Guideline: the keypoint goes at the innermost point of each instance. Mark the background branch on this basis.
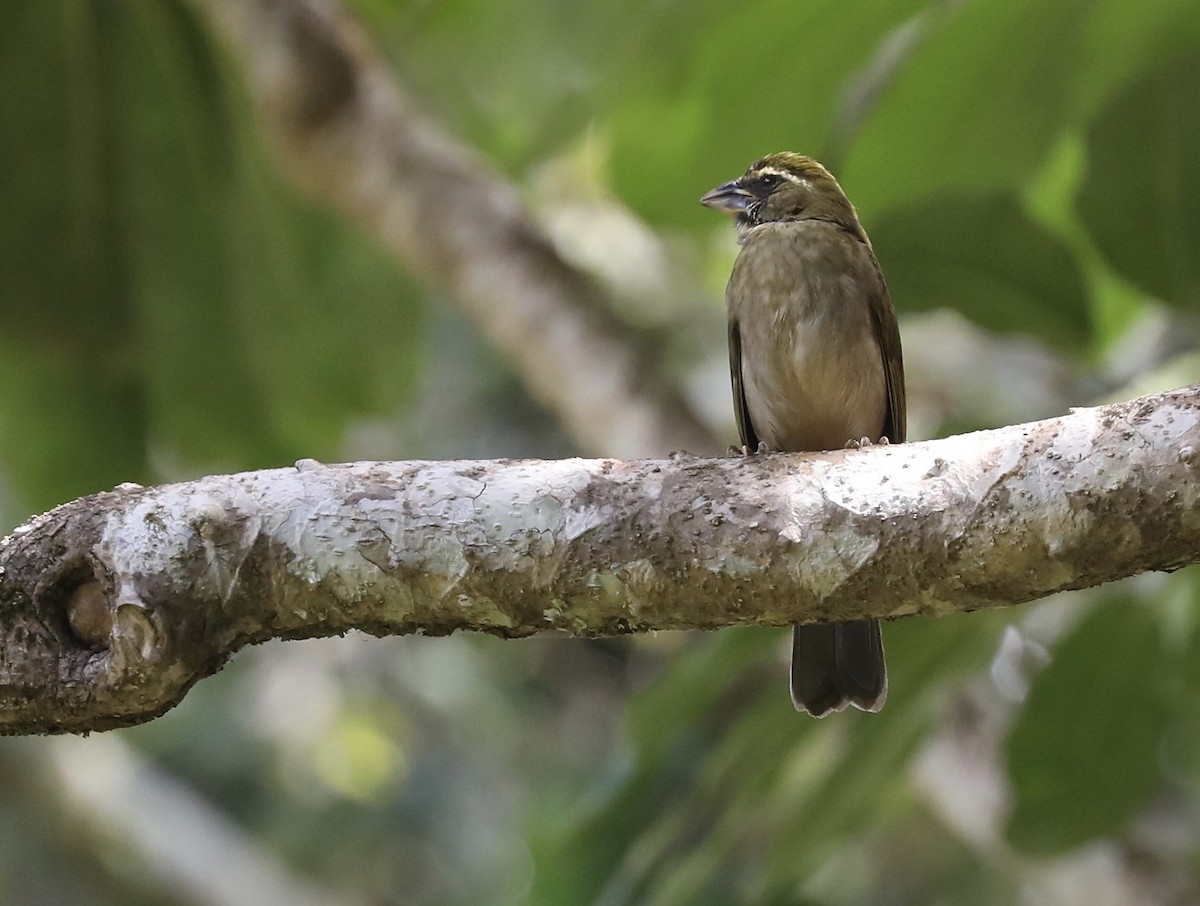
(114, 604)
(112, 798)
(351, 135)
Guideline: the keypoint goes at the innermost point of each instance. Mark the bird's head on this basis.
(783, 187)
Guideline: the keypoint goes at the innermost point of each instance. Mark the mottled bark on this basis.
(111, 606)
(352, 137)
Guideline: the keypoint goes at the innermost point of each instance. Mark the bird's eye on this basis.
(768, 180)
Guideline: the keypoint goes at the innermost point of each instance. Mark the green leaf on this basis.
(71, 423)
(1141, 197)
(72, 411)
(1123, 40)
(160, 289)
(713, 86)
(673, 725)
(975, 109)
(61, 275)
(174, 167)
(986, 258)
(857, 787)
(992, 87)
(732, 796)
(1178, 600)
(1082, 756)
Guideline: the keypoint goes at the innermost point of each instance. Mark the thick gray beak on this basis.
(729, 198)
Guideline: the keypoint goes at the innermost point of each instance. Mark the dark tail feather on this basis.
(838, 664)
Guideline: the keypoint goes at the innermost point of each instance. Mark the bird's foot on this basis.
(747, 453)
(866, 442)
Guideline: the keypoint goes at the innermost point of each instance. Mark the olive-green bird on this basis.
(814, 351)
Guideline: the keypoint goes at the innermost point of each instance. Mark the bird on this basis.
(816, 365)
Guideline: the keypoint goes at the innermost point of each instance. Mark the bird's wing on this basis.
(887, 331)
(740, 409)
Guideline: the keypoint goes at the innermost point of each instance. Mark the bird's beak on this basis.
(730, 198)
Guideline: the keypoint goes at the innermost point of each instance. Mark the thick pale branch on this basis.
(352, 137)
(112, 605)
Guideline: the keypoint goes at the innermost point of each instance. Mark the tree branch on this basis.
(111, 606)
(351, 136)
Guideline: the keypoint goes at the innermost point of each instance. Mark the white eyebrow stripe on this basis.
(782, 174)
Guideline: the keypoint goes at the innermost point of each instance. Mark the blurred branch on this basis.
(352, 137)
(111, 606)
(114, 800)
(862, 93)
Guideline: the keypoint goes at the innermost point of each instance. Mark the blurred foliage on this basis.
(707, 789)
(1113, 663)
(1141, 198)
(171, 307)
(1010, 274)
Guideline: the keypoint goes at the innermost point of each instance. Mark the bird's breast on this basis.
(812, 366)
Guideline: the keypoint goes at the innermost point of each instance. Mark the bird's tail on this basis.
(838, 664)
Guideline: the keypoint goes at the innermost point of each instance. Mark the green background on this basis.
(170, 307)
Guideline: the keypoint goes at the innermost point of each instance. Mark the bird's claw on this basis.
(745, 452)
(867, 442)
